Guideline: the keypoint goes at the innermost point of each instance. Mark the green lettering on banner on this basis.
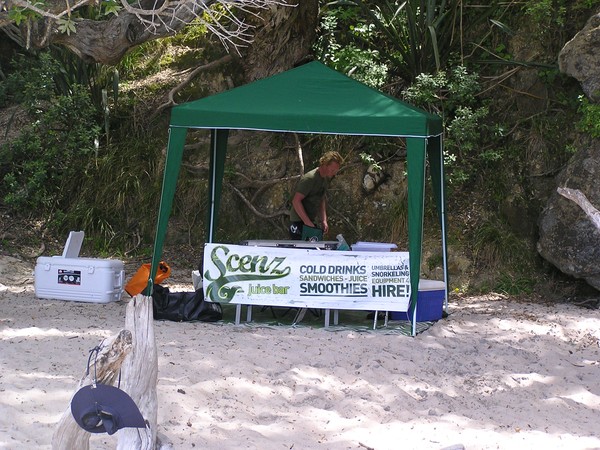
(235, 268)
(280, 290)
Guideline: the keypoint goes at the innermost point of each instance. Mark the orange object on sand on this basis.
(139, 280)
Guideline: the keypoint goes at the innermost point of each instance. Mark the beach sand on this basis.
(494, 374)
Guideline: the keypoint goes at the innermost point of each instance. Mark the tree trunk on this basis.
(283, 38)
(104, 41)
(284, 35)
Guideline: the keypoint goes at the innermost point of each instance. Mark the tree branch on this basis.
(253, 209)
(299, 153)
(106, 41)
(580, 199)
(171, 95)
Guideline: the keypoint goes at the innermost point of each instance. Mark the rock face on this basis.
(580, 58)
(568, 237)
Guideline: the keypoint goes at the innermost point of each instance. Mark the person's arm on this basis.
(299, 208)
(324, 214)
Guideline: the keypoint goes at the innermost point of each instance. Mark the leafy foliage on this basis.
(590, 121)
(511, 284)
(120, 188)
(453, 96)
(56, 72)
(370, 161)
(66, 26)
(19, 14)
(42, 168)
(57, 166)
(546, 12)
(178, 52)
(340, 53)
(407, 38)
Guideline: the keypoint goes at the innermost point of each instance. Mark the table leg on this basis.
(238, 313)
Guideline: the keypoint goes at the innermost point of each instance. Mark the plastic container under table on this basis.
(430, 302)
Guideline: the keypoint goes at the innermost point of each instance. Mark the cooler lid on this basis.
(431, 285)
(374, 246)
(73, 245)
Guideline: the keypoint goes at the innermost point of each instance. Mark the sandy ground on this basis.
(495, 374)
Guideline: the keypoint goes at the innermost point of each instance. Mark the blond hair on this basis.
(329, 157)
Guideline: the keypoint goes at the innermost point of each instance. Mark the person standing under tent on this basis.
(309, 202)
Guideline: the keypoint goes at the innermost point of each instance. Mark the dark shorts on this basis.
(295, 230)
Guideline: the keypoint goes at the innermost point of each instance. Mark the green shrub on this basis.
(406, 38)
(339, 52)
(452, 95)
(40, 169)
(590, 120)
(511, 284)
(546, 13)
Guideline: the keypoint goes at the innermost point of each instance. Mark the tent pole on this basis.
(435, 153)
(415, 157)
(443, 219)
(213, 178)
(218, 150)
(175, 145)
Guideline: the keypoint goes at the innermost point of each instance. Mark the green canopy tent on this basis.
(311, 98)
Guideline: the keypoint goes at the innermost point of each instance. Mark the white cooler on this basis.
(69, 277)
(362, 246)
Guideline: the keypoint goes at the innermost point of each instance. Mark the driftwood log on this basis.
(133, 352)
(112, 351)
(140, 373)
(580, 199)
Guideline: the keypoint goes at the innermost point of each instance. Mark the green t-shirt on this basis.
(313, 186)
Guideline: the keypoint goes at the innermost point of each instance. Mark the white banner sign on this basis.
(303, 278)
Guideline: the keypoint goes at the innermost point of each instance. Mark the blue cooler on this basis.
(430, 302)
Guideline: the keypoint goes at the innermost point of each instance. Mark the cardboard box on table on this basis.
(71, 278)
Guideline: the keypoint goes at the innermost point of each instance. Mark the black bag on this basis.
(183, 306)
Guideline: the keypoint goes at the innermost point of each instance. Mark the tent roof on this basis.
(309, 99)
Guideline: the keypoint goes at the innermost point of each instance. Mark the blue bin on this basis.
(430, 302)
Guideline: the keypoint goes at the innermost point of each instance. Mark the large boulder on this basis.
(580, 58)
(568, 238)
